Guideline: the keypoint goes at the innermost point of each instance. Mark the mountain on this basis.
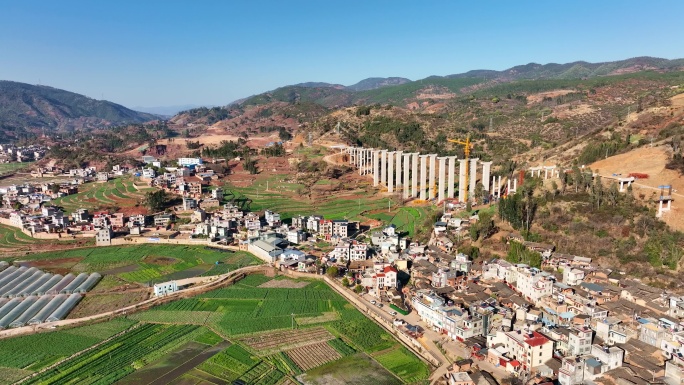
(363, 85)
(320, 85)
(403, 92)
(375, 83)
(576, 70)
(24, 107)
(168, 110)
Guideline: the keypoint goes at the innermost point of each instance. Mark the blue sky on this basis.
(161, 53)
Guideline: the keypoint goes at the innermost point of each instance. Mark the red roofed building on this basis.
(378, 283)
(530, 348)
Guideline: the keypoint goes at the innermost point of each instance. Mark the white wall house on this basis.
(165, 288)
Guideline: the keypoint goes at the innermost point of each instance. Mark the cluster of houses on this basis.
(12, 153)
(568, 323)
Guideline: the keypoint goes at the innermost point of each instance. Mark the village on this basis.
(566, 320)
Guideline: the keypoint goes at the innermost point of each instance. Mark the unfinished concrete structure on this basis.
(435, 179)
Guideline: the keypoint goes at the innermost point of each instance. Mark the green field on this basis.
(151, 344)
(6, 168)
(147, 263)
(120, 192)
(11, 238)
(34, 352)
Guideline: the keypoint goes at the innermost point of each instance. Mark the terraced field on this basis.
(145, 263)
(357, 205)
(120, 192)
(12, 240)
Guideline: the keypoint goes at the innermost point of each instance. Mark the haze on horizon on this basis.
(167, 53)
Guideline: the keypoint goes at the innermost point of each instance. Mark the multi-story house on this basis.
(252, 221)
(379, 282)
(533, 284)
(296, 236)
(189, 161)
(340, 228)
(579, 340)
(272, 218)
(148, 173)
(572, 276)
(530, 348)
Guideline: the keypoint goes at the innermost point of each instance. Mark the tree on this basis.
(358, 289)
(613, 194)
(576, 177)
(479, 193)
(345, 281)
(474, 233)
(155, 200)
(597, 191)
(554, 187)
(332, 271)
(486, 224)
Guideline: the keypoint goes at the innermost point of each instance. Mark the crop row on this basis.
(274, 294)
(285, 364)
(311, 356)
(253, 375)
(287, 338)
(363, 332)
(235, 358)
(118, 357)
(25, 351)
(342, 347)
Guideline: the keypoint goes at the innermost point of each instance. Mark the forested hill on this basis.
(26, 107)
(401, 91)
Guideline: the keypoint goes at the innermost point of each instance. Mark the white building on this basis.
(103, 237)
(165, 288)
(572, 276)
(272, 218)
(579, 341)
(296, 236)
(189, 161)
(533, 284)
(148, 173)
(530, 348)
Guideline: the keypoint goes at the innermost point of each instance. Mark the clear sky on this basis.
(166, 52)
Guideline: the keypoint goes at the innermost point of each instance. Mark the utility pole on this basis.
(389, 205)
(292, 320)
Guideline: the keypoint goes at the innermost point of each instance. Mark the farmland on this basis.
(32, 353)
(8, 168)
(14, 240)
(145, 263)
(117, 193)
(314, 355)
(241, 332)
(257, 315)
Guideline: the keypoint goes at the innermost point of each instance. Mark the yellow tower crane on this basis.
(467, 146)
